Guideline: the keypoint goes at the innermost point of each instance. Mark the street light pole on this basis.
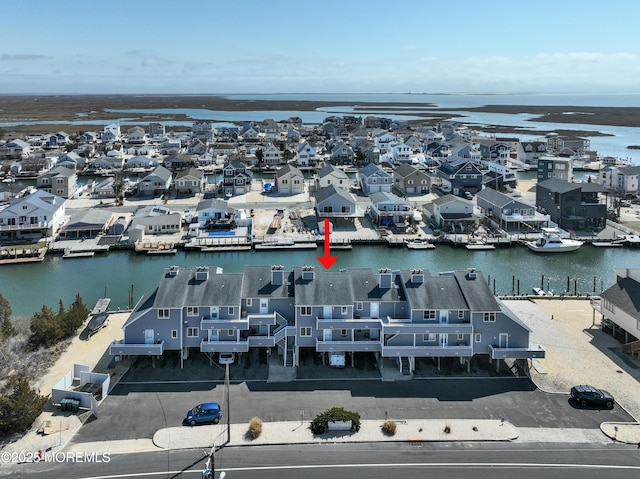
(226, 380)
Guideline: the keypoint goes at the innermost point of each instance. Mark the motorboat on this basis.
(551, 242)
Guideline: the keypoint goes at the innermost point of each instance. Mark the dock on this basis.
(78, 254)
(479, 246)
(101, 306)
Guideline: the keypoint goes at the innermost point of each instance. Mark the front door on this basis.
(326, 334)
(444, 340)
(375, 310)
(264, 306)
(149, 337)
(444, 316)
(503, 340)
(326, 312)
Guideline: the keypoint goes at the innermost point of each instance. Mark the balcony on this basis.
(428, 351)
(533, 351)
(241, 324)
(268, 319)
(347, 323)
(224, 346)
(261, 341)
(119, 348)
(348, 346)
(396, 327)
(27, 226)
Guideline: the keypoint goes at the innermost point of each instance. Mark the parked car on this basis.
(585, 395)
(208, 412)
(226, 358)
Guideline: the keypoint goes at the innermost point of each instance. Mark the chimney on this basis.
(173, 270)
(384, 278)
(308, 273)
(202, 273)
(471, 273)
(417, 276)
(277, 275)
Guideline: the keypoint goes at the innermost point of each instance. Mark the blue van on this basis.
(203, 413)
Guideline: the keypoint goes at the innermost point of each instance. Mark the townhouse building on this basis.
(402, 315)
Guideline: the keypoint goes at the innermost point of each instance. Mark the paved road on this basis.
(135, 411)
(375, 460)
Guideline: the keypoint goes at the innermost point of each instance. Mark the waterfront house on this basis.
(437, 149)
(532, 150)
(157, 220)
(36, 164)
(140, 162)
(179, 161)
(31, 217)
(107, 163)
(341, 153)
(401, 153)
(136, 135)
(332, 202)
(409, 180)
(452, 213)
(213, 209)
(389, 210)
(373, 179)
(554, 167)
(60, 181)
(509, 213)
(576, 144)
(271, 155)
(57, 140)
(155, 183)
(88, 137)
(383, 140)
(236, 178)
(459, 175)
(171, 146)
(86, 223)
(197, 146)
(400, 316)
(203, 129)
(14, 150)
(306, 155)
(156, 130)
(622, 180)
(104, 188)
(189, 182)
(572, 206)
(332, 175)
(72, 161)
(620, 308)
(111, 133)
(289, 180)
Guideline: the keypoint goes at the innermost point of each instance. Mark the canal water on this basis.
(513, 269)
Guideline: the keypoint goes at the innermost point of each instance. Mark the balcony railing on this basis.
(119, 348)
(533, 351)
(348, 346)
(396, 327)
(261, 341)
(348, 323)
(241, 324)
(26, 226)
(224, 346)
(428, 351)
(268, 319)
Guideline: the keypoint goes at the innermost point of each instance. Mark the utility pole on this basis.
(226, 382)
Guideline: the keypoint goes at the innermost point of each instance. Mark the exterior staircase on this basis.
(632, 347)
(289, 361)
(406, 366)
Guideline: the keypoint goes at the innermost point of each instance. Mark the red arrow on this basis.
(327, 260)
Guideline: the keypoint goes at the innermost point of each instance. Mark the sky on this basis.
(328, 46)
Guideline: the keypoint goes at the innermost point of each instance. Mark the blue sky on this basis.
(305, 46)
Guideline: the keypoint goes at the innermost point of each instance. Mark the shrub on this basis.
(19, 407)
(320, 423)
(255, 428)
(447, 429)
(389, 428)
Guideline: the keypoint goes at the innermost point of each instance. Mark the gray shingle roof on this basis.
(435, 292)
(257, 283)
(558, 186)
(625, 294)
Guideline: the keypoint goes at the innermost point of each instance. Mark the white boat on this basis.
(551, 242)
(419, 244)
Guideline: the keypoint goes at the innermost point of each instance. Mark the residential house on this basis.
(213, 209)
(620, 308)
(88, 137)
(388, 209)
(189, 182)
(401, 153)
(60, 181)
(572, 206)
(622, 180)
(409, 180)
(373, 179)
(86, 223)
(157, 220)
(197, 147)
(156, 130)
(57, 140)
(37, 164)
(111, 133)
(71, 160)
(557, 143)
(203, 129)
(140, 162)
(289, 180)
(532, 150)
(137, 135)
(306, 155)
(452, 213)
(554, 167)
(332, 202)
(509, 213)
(157, 182)
(271, 155)
(458, 175)
(104, 188)
(437, 149)
(179, 162)
(400, 315)
(32, 216)
(107, 163)
(171, 146)
(377, 122)
(341, 153)
(15, 150)
(236, 178)
(413, 142)
(270, 128)
(383, 140)
(332, 175)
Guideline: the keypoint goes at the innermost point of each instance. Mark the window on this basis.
(305, 310)
(460, 314)
(429, 314)
(249, 301)
(489, 317)
(460, 336)
(343, 310)
(359, 305)
(231, 332)
(163, 314)
(193, 332)
(429, 337)
(174, 334)
(478, 337)
(305, 332)
(231, 310)
(343, 332)
(192, 311)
